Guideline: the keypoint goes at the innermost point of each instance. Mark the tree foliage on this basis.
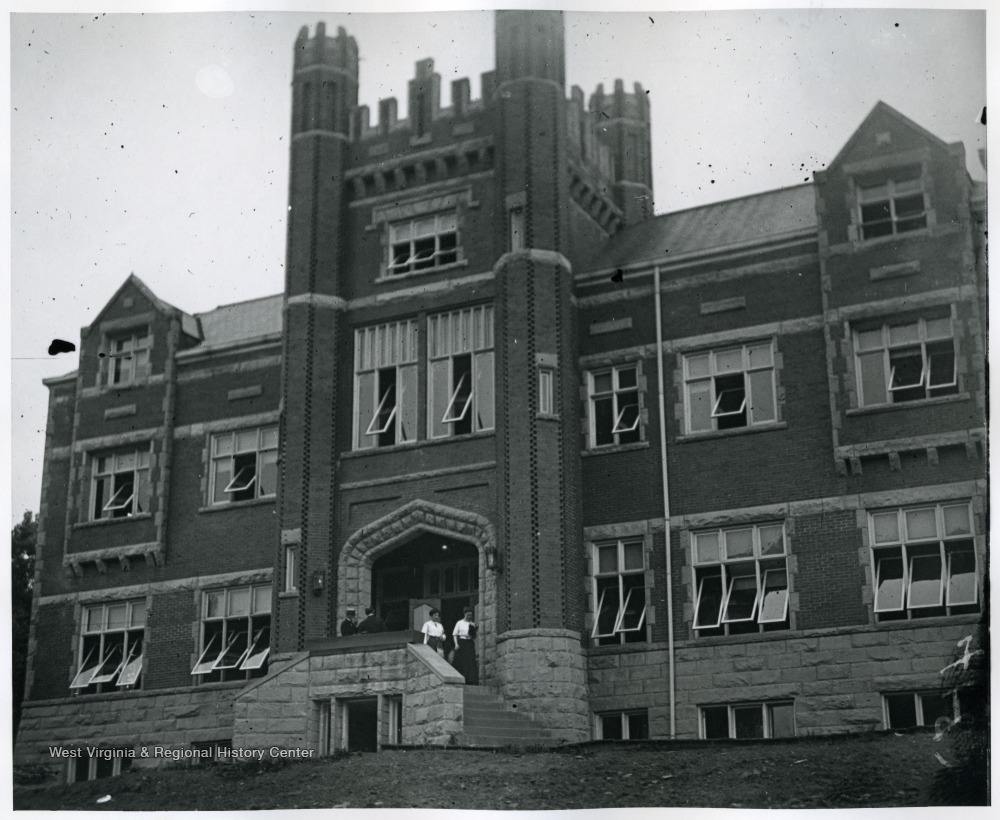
(22, 572)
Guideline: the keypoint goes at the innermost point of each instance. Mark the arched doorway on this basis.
(410, 538)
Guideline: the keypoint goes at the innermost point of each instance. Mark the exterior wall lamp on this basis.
(318, 582)
(492, 559)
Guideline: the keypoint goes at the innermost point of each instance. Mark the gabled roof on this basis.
(188, 323)
(884, 108)
(717, 226)
(241, 321)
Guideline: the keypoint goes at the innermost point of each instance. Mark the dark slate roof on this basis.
(241, 321)
(712, 227)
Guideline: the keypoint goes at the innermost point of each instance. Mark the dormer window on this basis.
(127, 358)
(424, 243)
(892, 206)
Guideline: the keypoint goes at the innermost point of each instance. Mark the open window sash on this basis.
(743, 586)
(621, 426)
(725, 396)
(925, 581)
(242, 481)
(456, 394)
(131, 670)
(82, 679)
(774, 597)
(706, 615)
(897, 381)
(113, 661)
(372, 430)
(620, 620)
(595, 633)
(222, 663)
(890, 583)
(122, 497)
(255, 657)
(203, 667)
(963, 580)
(941, 366)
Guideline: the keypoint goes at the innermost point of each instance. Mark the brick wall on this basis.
(829, 578)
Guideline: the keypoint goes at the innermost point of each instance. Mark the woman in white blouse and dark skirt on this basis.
(465, 649)
(434, 632)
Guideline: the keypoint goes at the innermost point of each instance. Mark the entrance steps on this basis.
(490, 724)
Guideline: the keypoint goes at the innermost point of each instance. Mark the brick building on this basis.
(496, 380)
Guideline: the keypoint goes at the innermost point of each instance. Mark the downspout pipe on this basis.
(661, 396)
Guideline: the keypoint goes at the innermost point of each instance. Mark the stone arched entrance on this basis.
(382, 536)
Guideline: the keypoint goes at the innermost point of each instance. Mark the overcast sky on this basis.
(158, 143)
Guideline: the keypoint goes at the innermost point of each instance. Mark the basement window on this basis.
(908, 710)
(746, 721)
(629, 725)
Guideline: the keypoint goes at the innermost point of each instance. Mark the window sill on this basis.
(905, 405)
(105, 522)
(385, 278)
(736, 431)
(901, 236)
(626, 648)
(615, 448)
(548, 416)
(289, 593)
(425, 442)
(232, 505)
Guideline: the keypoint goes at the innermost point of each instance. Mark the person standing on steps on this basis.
(434, 632)
(372, 622)
(465, 649)
(349, 626)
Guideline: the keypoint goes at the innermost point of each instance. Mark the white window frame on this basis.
(115, 663)
(624, 429)
(623, 716)
(252, 626)
(889, 192)
(126, 357)
(894, 538)
(546, 391)
(875, 347)
(702, 369)
(92, 761)
(439, 229)
(764, 568)
(767, 716)
(291, 568)
(461, 401)
(115, 467)
(625, 590)
(385, 367)
(227, 449)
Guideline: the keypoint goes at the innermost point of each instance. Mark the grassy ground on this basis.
(874, 770)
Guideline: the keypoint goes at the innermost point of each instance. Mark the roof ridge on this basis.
(756, 195)
(242, 302)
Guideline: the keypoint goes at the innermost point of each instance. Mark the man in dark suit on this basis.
(349, 626)
(371, 623)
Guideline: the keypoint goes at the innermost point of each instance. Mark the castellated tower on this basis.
(538, 486)
(624, 128)
(325, 92)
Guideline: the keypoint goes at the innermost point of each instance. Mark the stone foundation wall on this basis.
(172, 719)
(542, 673)
(836, 677)
(282, 709)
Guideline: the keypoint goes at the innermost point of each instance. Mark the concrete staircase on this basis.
(489, 723)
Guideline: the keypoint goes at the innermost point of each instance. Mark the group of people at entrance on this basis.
(462, 654)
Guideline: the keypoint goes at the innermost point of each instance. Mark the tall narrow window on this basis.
(546, 383)
(619, 593)
(906, 361)
(460, 372)
(120, 484)
(517, 241)
(385, 379)
(614, 406)
(924, 561)
(741, 580)
(244, 465)
(724, 389)
(111, 647)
